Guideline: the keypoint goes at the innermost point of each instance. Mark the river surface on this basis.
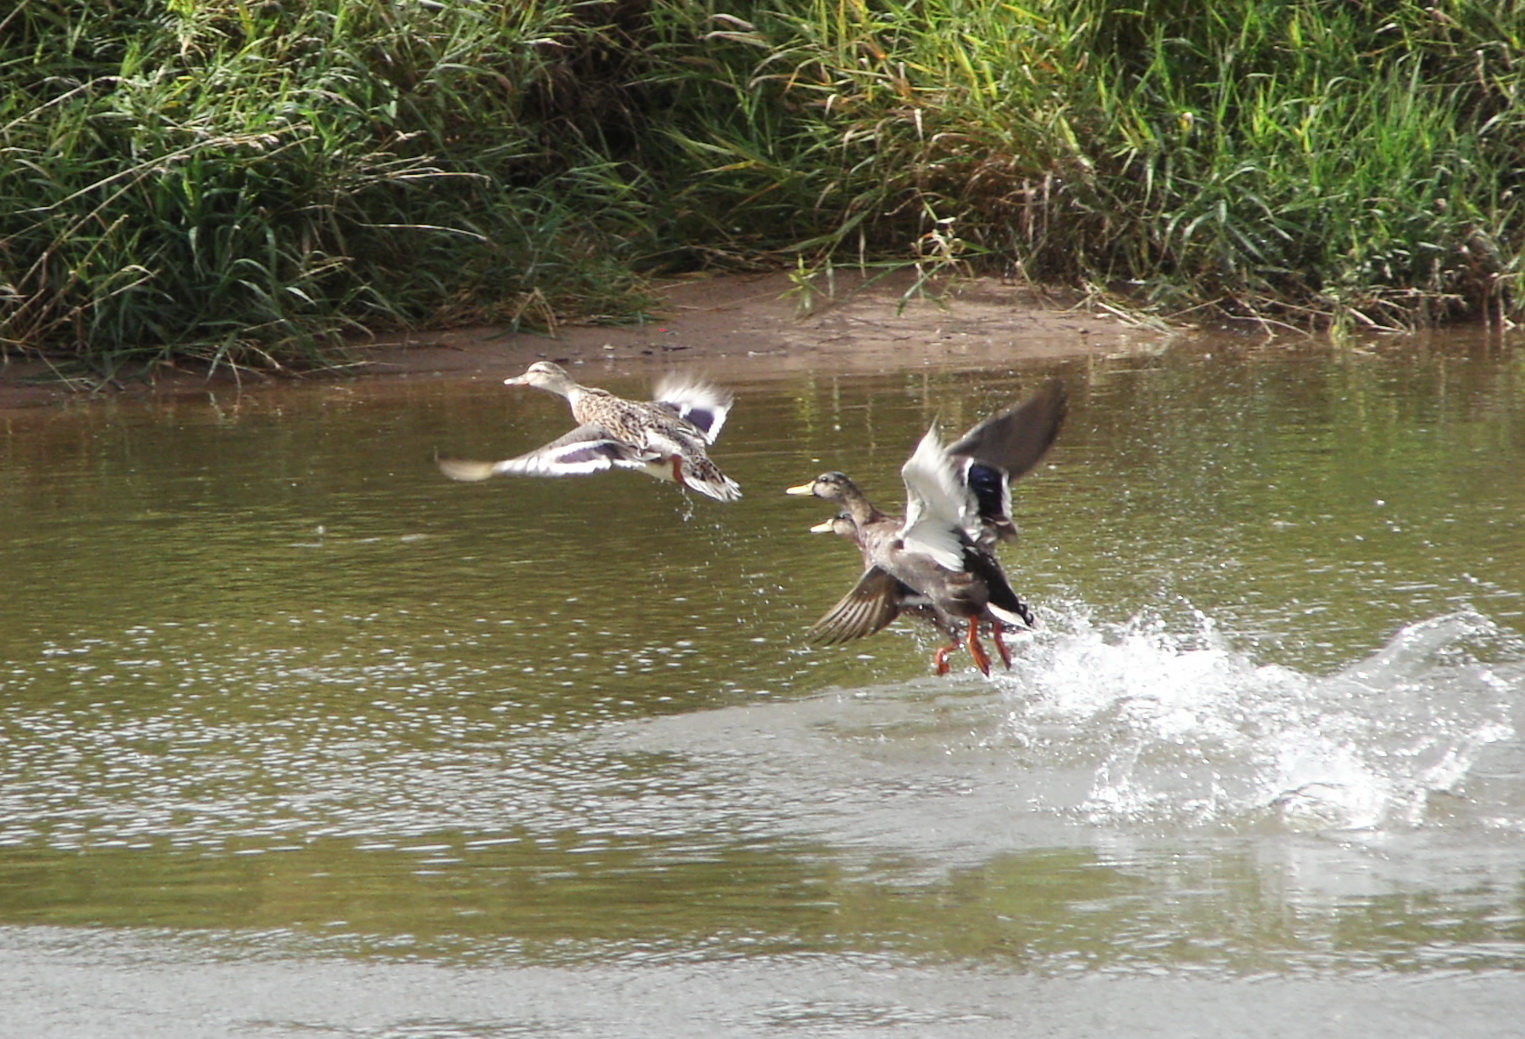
(298, 738)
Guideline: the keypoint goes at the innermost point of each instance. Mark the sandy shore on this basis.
(739, 325)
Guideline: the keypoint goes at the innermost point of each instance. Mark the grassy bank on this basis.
(246, 181)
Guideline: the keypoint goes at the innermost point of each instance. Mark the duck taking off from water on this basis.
(938, 560)
(879, 597)
(666, 437)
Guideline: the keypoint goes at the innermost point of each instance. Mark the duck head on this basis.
(841, 524)
(832, 487)
(544, 375)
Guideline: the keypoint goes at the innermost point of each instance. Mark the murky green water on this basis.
(273, 692)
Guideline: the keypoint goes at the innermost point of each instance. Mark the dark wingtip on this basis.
(1026, 613)
(1016, 439)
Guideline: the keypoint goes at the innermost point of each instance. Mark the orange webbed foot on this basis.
(1001, 645)
(981, 658)
(942, 658)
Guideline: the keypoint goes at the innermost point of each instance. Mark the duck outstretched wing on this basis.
(1006, 447)
(869, 607)
(700, 403)
(938, 508)
(586, 449)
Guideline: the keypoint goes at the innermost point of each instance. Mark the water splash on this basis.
(1182, 728)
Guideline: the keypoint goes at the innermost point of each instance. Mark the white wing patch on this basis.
(586, 449)
(696, 401)
(937, 506)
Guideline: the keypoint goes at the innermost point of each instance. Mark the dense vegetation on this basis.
(245, 179)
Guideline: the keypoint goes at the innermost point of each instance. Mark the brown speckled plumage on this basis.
(666, 437)
(937, 561)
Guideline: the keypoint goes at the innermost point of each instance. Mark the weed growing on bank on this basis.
(245, 182)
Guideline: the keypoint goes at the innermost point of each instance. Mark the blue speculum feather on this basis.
(701, 417)
(986, 483)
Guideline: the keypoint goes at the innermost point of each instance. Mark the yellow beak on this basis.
(823, 528)
(804, 488)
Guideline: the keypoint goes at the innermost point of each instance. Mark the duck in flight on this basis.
(879, 597)
(667, 437)
(938, 560)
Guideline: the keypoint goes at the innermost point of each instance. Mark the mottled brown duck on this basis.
(879, 597)
(938, 561)
(667, 437)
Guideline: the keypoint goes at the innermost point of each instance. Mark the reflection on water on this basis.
(272, 685)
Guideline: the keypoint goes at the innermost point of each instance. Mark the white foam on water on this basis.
(1182, 728)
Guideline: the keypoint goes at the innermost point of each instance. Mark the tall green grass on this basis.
(1305, 161)
(246, 181)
